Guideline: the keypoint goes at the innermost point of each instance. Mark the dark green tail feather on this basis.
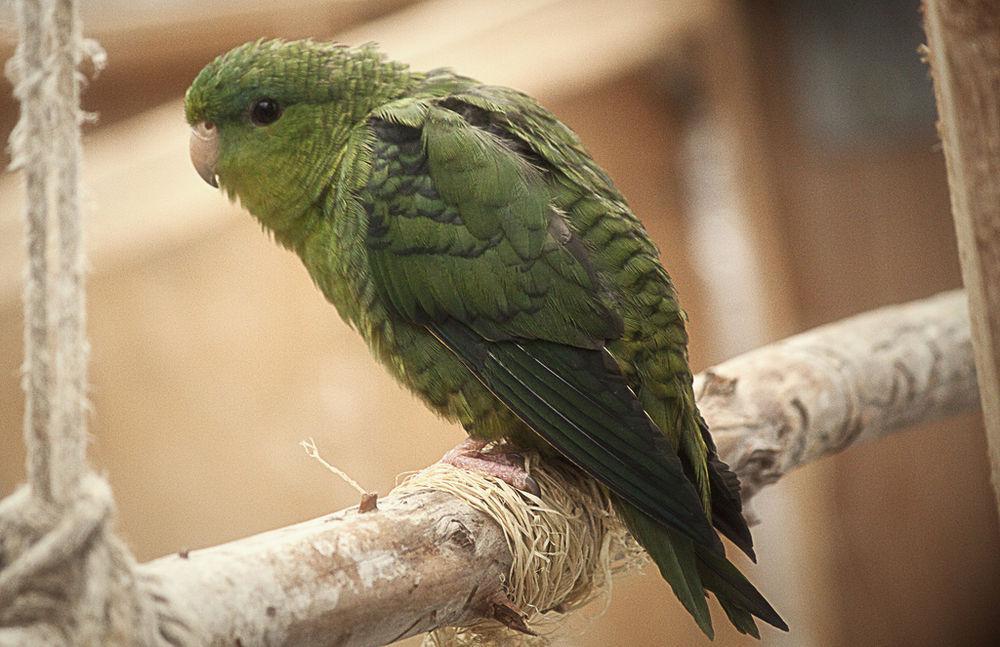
(674, 555)
(691, 571)
(742, 620)
(735, 592)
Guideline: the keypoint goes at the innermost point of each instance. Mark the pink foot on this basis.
(506, 466)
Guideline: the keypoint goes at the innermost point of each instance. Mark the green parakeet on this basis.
(494, 269)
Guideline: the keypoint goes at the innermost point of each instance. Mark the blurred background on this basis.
(783, 155)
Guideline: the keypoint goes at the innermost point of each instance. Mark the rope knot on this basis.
(40, 541)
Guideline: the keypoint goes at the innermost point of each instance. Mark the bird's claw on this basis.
(506, 466)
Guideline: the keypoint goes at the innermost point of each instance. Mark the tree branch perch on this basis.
(819, 392)
(427, 559)
(419, 562)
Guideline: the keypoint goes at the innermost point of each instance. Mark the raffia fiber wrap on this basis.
(566, 546)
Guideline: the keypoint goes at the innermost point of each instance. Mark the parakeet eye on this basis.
(264, 111)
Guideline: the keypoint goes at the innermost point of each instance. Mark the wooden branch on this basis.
(427, 560)
(817, 393)
(418, 562)
(964, 53)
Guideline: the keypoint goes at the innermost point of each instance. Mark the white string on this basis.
(313, 452)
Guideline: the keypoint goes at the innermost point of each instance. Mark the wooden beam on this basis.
(549, 47)
(729, 199)
(964, 53)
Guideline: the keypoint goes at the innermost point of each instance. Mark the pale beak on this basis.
(205, 150)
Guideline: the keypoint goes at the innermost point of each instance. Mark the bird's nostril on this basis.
(205, 130)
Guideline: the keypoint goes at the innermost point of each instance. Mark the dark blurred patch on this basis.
(857, 79)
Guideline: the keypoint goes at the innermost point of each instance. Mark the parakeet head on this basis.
(269, 118)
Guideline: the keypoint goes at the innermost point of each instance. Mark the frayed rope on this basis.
(64, 576)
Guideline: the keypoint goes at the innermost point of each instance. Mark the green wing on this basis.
(463, 238)
(536, 134)
(460, 227)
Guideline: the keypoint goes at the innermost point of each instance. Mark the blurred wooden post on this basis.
(735, 237)
(964, 41)
(732, 209)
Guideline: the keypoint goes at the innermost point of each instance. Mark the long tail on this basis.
(692, 570)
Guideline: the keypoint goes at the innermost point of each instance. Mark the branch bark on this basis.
(819, 392)
(428, 560)
(418, 562)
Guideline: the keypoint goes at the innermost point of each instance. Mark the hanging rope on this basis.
(67, 452)
(64, 576)
(32, 154)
